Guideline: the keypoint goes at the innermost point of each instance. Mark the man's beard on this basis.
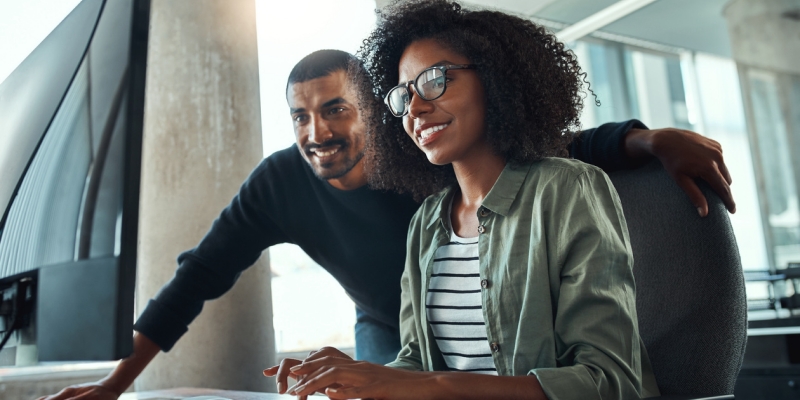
(326, 171)
(347, 165)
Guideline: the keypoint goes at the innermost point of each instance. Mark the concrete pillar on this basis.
(202, 137)
(765, 33)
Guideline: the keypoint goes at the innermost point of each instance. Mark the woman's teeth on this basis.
(429, 131)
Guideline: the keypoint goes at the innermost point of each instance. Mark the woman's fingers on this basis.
(329, 376)
(299, 369)
(282, 372)
(309, 366)
(271, 371)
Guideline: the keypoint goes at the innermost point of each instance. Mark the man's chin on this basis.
(326, 172)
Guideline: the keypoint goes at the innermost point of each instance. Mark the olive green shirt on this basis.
(558, 294)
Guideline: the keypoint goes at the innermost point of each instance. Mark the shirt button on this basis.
(481, 229)
(485, 283)
(495, 347)
(484, 212)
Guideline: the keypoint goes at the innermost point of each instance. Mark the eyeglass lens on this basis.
(429, 85)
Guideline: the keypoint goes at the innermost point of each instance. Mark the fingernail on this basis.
(333, 390)
(296, 367)
(700, 211)
(292, 390)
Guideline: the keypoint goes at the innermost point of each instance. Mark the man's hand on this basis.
(686, 156)
(110, 387)
(286, 368)
(86, 391)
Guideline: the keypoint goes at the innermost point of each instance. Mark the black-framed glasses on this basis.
(430, 84)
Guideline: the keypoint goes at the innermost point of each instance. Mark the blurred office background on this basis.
(728, 69)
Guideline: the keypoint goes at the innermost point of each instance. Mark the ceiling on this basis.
(689, 24)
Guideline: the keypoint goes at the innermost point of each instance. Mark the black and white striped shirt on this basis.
(454, 307)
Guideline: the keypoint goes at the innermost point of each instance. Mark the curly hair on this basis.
(533, 88)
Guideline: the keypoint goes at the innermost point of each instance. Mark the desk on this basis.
(182, 393)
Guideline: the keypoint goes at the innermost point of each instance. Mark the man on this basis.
(315, 195)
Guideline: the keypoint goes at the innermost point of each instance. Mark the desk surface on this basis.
(188, 393)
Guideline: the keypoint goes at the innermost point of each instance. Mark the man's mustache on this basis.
(333, 142)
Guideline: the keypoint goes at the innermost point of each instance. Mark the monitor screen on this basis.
(69, 155)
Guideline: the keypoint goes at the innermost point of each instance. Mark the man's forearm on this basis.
(144, 350)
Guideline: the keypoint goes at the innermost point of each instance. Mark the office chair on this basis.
(690, 294)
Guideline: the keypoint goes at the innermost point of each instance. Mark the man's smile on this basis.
(326, 152)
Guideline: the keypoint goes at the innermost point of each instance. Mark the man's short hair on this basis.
(320, 63)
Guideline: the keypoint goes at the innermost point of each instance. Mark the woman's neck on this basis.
(476, 175)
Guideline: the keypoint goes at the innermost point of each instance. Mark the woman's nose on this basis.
(417, 106)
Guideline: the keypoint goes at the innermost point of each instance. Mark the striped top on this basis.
(454, 307)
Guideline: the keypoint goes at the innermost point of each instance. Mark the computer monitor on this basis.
(71, 118)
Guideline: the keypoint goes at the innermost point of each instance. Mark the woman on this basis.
(518, 264)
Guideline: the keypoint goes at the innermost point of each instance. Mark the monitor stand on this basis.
(20, 351)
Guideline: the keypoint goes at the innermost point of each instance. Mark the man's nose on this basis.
(319, 132)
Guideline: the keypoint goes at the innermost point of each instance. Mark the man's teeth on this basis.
(428, 131)
(321, 153)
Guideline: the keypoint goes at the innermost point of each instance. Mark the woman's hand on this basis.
(341, 378)
(284, 370)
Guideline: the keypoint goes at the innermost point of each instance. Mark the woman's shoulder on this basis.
(564, 167)
(564, 175)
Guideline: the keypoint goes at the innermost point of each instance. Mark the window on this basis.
(701, 92)
(311, 310)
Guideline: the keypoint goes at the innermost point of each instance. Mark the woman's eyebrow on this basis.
(443, 62)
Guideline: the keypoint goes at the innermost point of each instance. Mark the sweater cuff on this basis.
(160, 326)
(604, 146)
(628, 162)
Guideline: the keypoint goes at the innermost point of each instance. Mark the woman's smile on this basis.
(428, 132)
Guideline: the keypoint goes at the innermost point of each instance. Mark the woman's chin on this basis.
(437, 159)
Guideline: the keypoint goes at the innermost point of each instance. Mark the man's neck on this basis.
(353, 179)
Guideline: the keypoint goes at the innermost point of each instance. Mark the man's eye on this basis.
(335, 110)
(300, 118)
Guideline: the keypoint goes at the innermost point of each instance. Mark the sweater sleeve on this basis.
(604, 146)
(235, 241)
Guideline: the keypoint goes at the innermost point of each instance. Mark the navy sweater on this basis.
(358, 236)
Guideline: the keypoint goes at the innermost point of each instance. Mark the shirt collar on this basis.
(498, 200)
(505, 190)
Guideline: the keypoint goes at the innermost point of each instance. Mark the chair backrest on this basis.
(690, 295)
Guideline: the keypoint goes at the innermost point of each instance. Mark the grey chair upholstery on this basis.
(690, 294)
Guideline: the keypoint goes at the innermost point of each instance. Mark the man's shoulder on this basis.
(282, 165)
(284, 158)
